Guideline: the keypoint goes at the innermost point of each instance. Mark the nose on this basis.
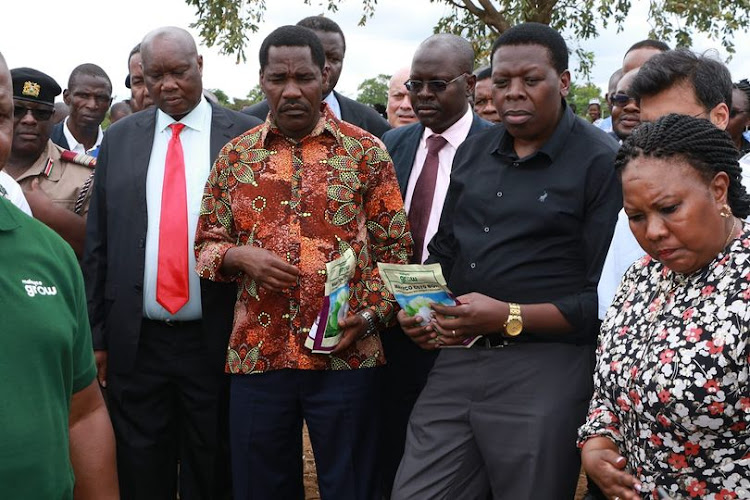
(291, 90)
(655, 228)
(27, 117)
(632, 106)
(406, 103)
(515, 89)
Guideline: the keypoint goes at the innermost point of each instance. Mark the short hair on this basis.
(709, 78)
(648, 44)
(322, 23)
(536, 34)
(88, 69)
(697, 141)
(135, 50)
(744, 86)
(483, 73)
(293, 36)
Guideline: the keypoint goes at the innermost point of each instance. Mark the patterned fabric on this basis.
(307, 201)
(671, 382)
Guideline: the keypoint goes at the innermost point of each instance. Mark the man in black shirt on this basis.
(525, 227)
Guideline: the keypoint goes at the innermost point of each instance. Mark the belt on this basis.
(171, 322)
(493, 342)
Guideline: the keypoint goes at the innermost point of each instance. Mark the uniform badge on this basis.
(31, 89)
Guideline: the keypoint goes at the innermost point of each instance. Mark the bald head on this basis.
(399, 108)
(6, 112)
(172, 70)
(453, 47)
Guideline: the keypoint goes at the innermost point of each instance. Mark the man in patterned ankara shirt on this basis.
(283, 199)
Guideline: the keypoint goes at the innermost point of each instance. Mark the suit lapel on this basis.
(221, 130)
(144, 139)
(406, 155)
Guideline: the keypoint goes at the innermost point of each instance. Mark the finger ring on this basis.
(453, 333)
(616, 498)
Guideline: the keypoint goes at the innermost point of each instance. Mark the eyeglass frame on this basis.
(35, 112)
(434, 86)
(613, 99)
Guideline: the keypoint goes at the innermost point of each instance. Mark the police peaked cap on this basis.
(34, 86)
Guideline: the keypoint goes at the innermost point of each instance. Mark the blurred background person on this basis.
(483, 105)
(398, 109)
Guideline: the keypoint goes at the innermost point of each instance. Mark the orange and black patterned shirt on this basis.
(307, 201)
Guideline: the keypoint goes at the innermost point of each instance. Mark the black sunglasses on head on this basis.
(41, 115)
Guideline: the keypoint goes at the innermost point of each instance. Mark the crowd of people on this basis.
(176, 264)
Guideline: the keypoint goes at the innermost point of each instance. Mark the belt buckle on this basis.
(502, 342)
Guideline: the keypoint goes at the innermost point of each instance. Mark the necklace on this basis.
(731, 232)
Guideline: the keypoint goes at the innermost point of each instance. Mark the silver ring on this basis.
(453, 333)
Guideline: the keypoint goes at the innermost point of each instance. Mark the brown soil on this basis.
(311, 478)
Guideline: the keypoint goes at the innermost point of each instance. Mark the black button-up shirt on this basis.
(535, 229)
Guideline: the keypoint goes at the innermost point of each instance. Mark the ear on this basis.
(719, 188)
(719, 116)
(325, 75)
(564, 83)
(200, 64)
(471, 83)
(67, 97)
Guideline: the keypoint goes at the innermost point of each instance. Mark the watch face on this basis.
(513, 327)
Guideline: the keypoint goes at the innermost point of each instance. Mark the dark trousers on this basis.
(172, 408)
(498, 420)
(404, 377)
(266, 414)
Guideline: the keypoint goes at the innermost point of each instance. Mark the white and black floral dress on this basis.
(671, 381)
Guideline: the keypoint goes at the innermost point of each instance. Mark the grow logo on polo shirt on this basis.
(34, 288)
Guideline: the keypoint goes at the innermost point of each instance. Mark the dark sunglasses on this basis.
(621, 99)
(433, 86)
(41, 115)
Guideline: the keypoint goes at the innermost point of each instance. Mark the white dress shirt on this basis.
(76, 146)
(334, 104)
(15, 193)
(196, 146)
(455, 135)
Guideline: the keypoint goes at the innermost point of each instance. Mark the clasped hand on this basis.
(476, 314)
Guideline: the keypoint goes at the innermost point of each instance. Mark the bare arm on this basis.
(92, 446)
(71, 226)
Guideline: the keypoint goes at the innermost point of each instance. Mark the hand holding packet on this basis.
(325, 333)
(416, 287)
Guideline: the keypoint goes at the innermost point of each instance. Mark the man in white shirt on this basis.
(440, 85)
(89, 95)
(676, 81)
(11, 190)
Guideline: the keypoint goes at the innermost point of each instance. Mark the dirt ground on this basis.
(311, 478)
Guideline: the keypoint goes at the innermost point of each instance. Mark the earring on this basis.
(726, 211)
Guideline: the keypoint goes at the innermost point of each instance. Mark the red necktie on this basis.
(172, 289)
(424, 192)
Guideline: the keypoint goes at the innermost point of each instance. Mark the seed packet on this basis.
(325, 333)
(416, 287)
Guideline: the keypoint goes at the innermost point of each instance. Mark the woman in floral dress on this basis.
(670, 415)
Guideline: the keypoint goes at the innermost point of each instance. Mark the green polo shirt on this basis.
(45, 356)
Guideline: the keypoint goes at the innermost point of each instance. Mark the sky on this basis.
(73, 32)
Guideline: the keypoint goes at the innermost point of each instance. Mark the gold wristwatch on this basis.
(514, 323)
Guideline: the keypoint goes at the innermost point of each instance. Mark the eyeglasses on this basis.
(434, 86)
(621, 99)
(41, 115)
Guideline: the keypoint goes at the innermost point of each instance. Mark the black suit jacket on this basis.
(354, 112)
(58, 135)
(402, 143)
(114, 258)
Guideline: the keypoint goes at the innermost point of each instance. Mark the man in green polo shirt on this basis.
(54, 427)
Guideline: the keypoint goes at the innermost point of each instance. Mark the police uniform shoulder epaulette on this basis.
(78, 158)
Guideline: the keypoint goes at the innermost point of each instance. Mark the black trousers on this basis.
(340, 408)
(171, 409)
(403, 378)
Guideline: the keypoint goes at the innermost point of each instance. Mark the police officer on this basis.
(57, 183)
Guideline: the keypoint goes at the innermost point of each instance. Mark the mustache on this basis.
(294, 105)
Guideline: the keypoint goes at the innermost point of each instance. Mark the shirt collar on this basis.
(73, 142)
(326, 123)
(456, 133)
(334, 104)
(554, 145)
(194, 120)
